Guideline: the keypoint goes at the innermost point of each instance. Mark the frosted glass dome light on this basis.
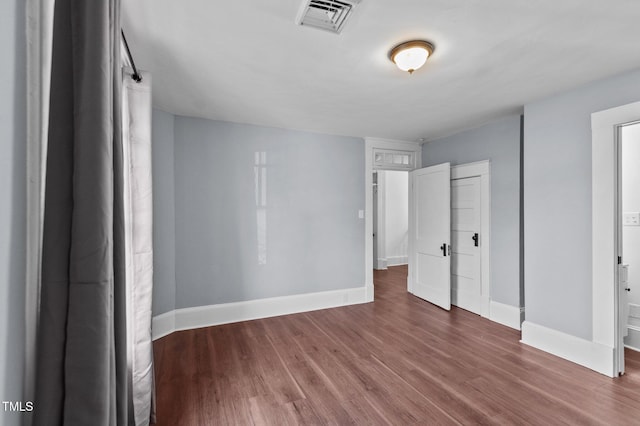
(411, 55)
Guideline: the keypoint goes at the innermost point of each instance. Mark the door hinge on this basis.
(475, 239)
(619, 260)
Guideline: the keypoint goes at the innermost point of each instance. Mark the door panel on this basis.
(429, 234)
(465, 255)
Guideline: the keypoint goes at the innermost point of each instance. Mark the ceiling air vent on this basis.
(329, 15)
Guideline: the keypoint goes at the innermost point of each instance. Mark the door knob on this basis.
(627, 289)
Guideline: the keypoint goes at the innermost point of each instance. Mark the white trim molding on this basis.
(368, 291)
(397, 260)
(381, 263)
(381, 212)
(593, 355)
(226, 313)
(163, 325)
(511, 316)
(632, 341)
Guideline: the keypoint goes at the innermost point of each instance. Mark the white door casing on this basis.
(621, 273)
(622, 282)
(379, 211)
(466, 290)
(623, 312)
(430, 234)
(375, 233)
(606, 304)
(370, 145)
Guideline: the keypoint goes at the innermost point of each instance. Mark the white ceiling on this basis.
(247, 61)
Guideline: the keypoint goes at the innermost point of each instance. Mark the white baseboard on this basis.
(511, 316)
(163, 324)
(369, 293)
(632, 341)
(381, 263)
(206, 316)
(589, 354)
(397, 260)
(634, 315)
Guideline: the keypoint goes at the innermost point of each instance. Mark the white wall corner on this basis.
(511, 316)
(595, 356)
(226, 313)
(163, 325)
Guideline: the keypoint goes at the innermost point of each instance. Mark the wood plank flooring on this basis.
(396, 361)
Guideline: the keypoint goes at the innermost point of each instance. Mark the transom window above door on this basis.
(392, 159)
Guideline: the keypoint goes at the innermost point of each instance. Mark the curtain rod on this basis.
(136, 75)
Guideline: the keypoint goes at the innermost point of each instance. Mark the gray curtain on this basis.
(82, 355)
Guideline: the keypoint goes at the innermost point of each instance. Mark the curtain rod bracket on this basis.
(136, 75)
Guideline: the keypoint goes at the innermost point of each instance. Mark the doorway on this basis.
(608, 280)
(629, 236)
(390, 218)
(467, 228)
(383, 154)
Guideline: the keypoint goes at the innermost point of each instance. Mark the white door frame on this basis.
(481, 169)
(369, 145)
(380, 262)
(605, 131)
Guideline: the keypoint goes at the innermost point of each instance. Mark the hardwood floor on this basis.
(397, 361)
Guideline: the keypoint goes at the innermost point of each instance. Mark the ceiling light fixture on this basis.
(411, 55)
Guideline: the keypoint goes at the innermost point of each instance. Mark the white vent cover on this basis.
(330, 15)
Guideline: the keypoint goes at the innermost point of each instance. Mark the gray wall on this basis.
(557, 202)
(498, 142)
(164, 236)
(264, 212)
(13, 205)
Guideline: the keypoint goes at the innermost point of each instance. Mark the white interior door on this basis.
(430, 233)
(466, 288)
